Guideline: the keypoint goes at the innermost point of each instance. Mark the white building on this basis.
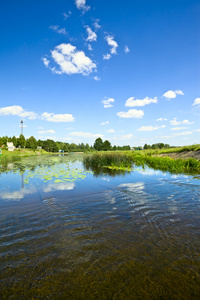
(10, 146)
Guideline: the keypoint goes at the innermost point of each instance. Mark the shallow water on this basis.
(69, 234)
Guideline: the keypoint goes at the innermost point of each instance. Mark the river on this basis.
(68, 233)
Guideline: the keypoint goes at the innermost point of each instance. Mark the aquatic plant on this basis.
(140, 158)
(108, 159)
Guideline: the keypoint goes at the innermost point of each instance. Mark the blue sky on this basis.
(127, 71)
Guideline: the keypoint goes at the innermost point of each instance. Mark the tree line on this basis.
(52, 146)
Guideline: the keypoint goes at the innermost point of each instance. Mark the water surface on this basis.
(67, 233)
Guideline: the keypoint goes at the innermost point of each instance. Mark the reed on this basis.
(128, 160)
(108, 159)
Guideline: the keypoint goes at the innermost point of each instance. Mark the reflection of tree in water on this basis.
(99, 171)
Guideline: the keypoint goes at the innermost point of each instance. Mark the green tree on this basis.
(87, 147)
(65, 148)
(106, 145)
(50, 146)
(98, 144)
(31, 143)
(14, 140)
(21, 141)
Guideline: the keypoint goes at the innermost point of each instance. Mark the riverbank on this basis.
(184, 152)
(17, 154)
(152, 159)
(182, 155)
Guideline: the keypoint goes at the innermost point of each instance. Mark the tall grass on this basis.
(108, 159)
(168, 164)
(141, 158)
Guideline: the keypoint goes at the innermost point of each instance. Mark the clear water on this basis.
(68, 234)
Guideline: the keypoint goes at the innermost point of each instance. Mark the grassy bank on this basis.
(174, 149)
(190, 165)
(16, 155)
(141, 158)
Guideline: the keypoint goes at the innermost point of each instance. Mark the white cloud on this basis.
(86, 134)
(198, 130)
(110, 130)
(174, 122)
(90, 47)
(150, 128)
(112, 43)
(187, 122)
(106, 56)
(183, 133)
(67, 139)
(123, 137)
(131, 113)
(178, 128)
(66, 186)
(66, 16)
(126, 49)
(172, 94)
(80, 4)
(133, 187)
(161, 119)
(179, 92)
(51, 117)
(46, 61)
(105, 123)
(131, 102)
(17, 195)
(96, 78)
(107, 102)
(57, 29)
(96, 24)
(92, 36)
(17, 110)
(71, 61)
(46, 131)
(196, 101)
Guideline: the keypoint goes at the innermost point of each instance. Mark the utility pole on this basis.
(22, 126)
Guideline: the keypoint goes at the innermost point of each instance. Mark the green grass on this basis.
(17, 154)
(129, 159)
(108, 159)
(166, 163)
(174, 150)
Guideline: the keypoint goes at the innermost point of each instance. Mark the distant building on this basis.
(10, 146)
(39, 148)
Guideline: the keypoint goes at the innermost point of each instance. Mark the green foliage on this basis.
(31, 143)
(107, 145)
(98, 144)
(50, 146)
(21, 141)
(108, 159)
